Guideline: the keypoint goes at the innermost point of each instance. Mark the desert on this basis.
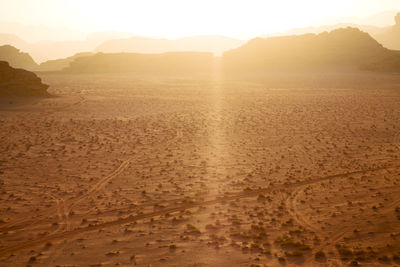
(203, 170)
(200, 133)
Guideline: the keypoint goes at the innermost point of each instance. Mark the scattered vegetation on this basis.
(192, 230)
(320, 255)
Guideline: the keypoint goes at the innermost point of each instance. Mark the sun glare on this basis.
(179, 18)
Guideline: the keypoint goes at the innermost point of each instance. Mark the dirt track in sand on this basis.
(132, 218)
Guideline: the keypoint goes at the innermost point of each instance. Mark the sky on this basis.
(242, 19)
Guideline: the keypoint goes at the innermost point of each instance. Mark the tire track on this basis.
(55, 109)
(64, 211)
(344, 230)
(100, 184)
(65, 207)
(291, 204)
(140, 216)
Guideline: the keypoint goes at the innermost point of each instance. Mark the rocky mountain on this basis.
(390, 37)
(347, 48)
(60, 64)
(52, 50)
(42, 51)
(372, 30)
(20, 83)
(13, 40)
(132, 62)
(16, 58)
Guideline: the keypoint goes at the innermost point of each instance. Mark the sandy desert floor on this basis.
(203, 170)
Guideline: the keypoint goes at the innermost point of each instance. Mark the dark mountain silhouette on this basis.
(347, 48)
(213, 44)
(131, 62)
(19, 82)
(60, 64)
(16, 58)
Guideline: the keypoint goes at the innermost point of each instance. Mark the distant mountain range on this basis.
(213, 44)
(344, 47)
(341, 49)
(51, 50)
(37, 33)
(117, 42)
(18, 59)
(113, 43)
(61, 64)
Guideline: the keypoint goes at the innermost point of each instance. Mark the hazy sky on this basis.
(176, 18)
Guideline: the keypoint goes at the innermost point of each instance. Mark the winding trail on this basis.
(132, 218)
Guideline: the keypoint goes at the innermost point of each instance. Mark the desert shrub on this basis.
(191, 229)
(360, 255)
(354, 263)
(345, 253)
(384, 258)
(255, 246)
(320, 255)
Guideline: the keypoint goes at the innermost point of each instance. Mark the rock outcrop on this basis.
(61, 64)
(13, 40)
(341, 49)
(17, 59)
(390, 37)
(20, 83)
(131, 62)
